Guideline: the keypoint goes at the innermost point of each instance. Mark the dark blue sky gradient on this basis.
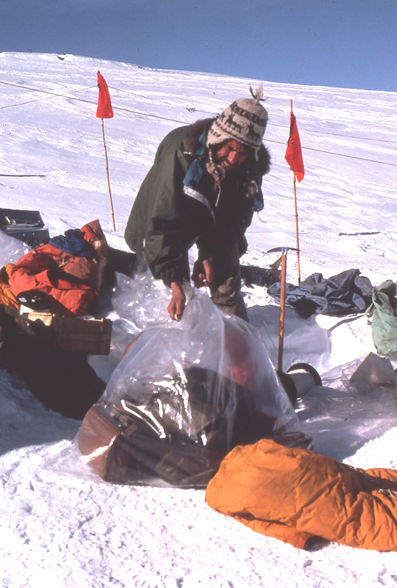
(344, 43)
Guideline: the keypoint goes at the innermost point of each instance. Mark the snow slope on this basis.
(60, 524)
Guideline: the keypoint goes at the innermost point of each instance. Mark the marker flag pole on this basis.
(105, 110)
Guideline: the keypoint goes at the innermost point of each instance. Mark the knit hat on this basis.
(244, 120)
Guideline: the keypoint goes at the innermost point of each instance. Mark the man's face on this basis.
(231, 154)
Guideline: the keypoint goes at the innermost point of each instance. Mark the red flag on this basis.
(293, 153)
(104, 109)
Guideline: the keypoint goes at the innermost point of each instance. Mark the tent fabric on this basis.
(345, 293)
(297, 495)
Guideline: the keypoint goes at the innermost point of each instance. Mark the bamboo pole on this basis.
(107, 175)
(297, 232)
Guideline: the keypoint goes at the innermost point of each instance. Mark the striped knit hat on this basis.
(244, 120)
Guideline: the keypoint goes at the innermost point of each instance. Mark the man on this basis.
(203, 188)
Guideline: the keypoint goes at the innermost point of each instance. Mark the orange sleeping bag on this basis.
(297, 495)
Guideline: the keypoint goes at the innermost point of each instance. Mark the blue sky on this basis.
(345, 43)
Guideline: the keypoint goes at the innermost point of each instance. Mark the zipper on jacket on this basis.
(218, 197)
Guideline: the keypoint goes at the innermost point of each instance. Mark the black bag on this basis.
(62, 379)
(25, 225)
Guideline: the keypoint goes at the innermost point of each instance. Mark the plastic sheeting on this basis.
(11, 249)
(357, 402)
(138, 303)
(181, 397)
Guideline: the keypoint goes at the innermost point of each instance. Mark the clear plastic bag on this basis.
(181, 397)
(11, 249)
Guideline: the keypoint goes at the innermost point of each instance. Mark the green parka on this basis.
(165, 220)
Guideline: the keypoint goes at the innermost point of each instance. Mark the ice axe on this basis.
(284, 251)
(299, 376)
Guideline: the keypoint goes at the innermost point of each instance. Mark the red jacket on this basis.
(71, 280)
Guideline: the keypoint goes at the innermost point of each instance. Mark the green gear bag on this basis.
(384, 318)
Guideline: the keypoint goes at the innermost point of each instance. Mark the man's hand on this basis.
(177, 304)
(203, 273)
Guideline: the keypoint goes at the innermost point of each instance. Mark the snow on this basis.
(61, 525)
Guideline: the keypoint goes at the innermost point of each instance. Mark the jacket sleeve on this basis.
(31, 273)
(175, 220)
